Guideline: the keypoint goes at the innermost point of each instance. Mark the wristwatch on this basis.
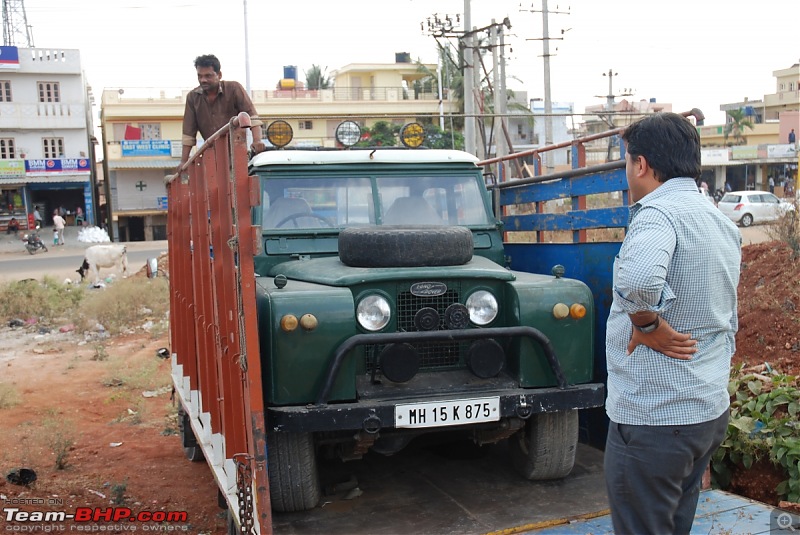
(650, 327)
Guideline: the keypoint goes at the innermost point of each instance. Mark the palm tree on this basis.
(736, 124)
(316, 79)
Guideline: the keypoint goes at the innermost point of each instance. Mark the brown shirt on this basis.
(207, 117)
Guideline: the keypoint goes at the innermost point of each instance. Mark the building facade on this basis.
(142, 130)
(46, 141)
(762, 151)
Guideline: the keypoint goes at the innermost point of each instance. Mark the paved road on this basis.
(63, 261)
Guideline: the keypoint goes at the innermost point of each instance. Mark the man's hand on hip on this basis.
(665, 340)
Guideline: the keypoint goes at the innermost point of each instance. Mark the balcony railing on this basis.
(349, 94)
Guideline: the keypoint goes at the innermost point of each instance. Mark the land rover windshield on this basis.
(337, 202)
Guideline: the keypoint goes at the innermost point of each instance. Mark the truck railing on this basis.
(535, 226)
(216, 365)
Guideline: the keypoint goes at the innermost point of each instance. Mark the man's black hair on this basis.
(669, 142)
(208, 60)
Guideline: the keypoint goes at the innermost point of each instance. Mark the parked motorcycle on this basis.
(33, 243)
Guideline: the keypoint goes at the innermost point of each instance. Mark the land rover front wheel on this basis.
(293, 479)
(545, 447)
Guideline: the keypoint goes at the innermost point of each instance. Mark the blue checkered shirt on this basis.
(680, 258)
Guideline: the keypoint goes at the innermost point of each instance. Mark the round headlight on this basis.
(373, 313)
(279, 133)
(412, 135)
(348, 133)
(482, 307)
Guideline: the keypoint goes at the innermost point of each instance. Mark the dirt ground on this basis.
(105, 405)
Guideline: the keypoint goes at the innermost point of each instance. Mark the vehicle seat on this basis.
(411, 211)
(283, 207)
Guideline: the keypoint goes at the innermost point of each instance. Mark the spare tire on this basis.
(405, 246)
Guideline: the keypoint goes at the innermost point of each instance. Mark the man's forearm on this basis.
(186, 151)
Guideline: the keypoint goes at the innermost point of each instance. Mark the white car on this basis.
(747, 207)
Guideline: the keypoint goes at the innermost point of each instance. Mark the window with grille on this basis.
(49, 92)
(53, 147)
(5, 90)
(150, 130)
(306, 125)
(7, 150)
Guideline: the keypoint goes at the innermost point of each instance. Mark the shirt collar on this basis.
(199, 90)
(666, 189)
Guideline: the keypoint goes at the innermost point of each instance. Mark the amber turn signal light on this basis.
(289, 323)
(577, 311)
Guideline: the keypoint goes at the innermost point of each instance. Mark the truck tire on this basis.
(292, 467)
(191, 448)
(545, 448)
(405, 246)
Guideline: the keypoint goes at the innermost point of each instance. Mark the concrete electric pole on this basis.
(548, 103)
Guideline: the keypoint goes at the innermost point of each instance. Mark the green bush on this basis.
(45, 299)
(763, 425)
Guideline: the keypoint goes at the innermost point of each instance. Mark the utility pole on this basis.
(548, 103)
(16, 30)
(498, 122)
(607, 117)
(246, 53)
(469, 93)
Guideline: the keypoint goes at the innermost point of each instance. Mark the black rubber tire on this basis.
(293, 478)
(746, 220)
(405, 246)
(193, 453)
(545, 448)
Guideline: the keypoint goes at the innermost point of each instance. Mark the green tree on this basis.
(736, 124)
(436, 138)
(316, 78)
(382, 134)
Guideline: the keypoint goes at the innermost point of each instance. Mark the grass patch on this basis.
(57, 435)
(9, 396)
(126, 304)
(787, 230)
(119, 307)
(45, 299)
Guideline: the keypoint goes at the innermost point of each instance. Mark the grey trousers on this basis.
(653, 474)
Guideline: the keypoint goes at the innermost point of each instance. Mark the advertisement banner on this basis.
(9, 56)
(146, 147)
(785, 150)
(12, 168)
(64, 165)
(744, 153)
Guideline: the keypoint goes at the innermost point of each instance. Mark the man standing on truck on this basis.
(211, 105)
(670, 333)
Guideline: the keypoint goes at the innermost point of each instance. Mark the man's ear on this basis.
(642, 167)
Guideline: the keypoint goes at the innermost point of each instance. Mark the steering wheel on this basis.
(298, 215)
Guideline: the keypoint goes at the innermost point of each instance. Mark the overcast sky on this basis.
(691, 53)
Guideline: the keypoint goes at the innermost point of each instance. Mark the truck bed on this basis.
(458, 489)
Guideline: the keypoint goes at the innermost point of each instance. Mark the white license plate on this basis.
(444, 413)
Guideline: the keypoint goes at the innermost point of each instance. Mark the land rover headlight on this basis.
(482, 307)
(373, 313)
(348, 133)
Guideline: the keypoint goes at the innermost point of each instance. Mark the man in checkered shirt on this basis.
(670, 332)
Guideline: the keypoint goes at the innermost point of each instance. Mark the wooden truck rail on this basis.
(216, 365)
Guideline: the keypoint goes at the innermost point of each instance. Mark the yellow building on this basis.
(142, 130)
(766, 151)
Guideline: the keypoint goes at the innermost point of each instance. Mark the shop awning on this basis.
(171, 163)
(44, 179)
